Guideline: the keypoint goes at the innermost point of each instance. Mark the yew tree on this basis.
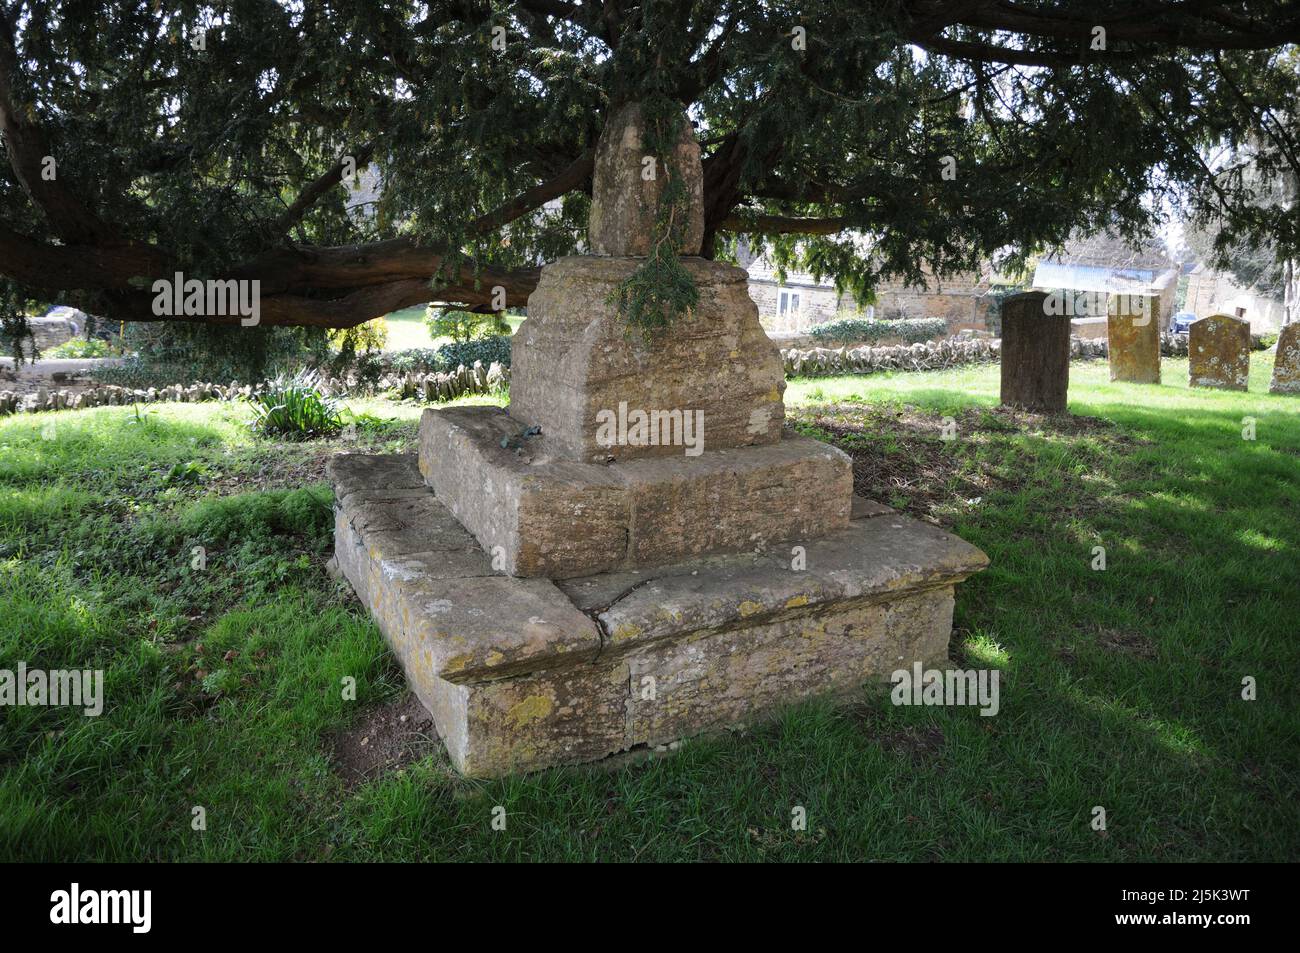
(856, 138)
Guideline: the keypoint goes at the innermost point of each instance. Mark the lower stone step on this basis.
(524, 674)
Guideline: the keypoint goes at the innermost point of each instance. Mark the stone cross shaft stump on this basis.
(637, 550)
(1218, 352)
(628, 181)
(1286, 362)
(1035, 355)
(1133, 339)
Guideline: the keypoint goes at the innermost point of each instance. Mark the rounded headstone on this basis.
(1219, 352)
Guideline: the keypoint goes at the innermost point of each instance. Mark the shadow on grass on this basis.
(1147, 655)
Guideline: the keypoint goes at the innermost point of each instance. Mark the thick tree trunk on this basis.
(1035, 355)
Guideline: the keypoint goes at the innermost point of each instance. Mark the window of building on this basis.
(787, 302)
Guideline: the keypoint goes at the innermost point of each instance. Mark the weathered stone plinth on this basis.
(522, 674)
(1133, 339)
(638, 550)
(575, 365)
(541, 514)
(1286, 362)
(1218, 351)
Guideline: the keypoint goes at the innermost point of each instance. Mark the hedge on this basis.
(870, 330)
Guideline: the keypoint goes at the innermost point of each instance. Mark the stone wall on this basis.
(50, 332)
(962, 300)
(436, 386)
(936, 355)
(912, 357)
(818, 303)
(1211, 292)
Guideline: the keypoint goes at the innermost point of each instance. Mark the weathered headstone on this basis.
(1035, 354)
(1218, 351)
(1133, 338)
(1286, 361)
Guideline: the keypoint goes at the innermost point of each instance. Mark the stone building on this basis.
(1213, 292)
(800, 301)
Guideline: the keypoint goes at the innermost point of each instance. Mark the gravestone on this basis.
(1133, 338)
(1286, 362)
(637, 550)
(1035, 354)
(1218, 352)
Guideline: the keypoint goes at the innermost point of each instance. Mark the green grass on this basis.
(406, 329)
(1119, 688)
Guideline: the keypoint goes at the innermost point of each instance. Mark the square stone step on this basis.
(524, 674)
(540, 514)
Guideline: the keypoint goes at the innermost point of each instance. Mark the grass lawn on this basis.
(406, 329)
(1120, 688)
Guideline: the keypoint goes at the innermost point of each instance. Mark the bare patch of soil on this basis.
(919, 743)
(388, 737)
(1127, 643)
(277, 469)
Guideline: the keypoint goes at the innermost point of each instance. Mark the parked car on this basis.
(1182, 322)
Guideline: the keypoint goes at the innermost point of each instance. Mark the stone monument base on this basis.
(526, 673)
(544, 515)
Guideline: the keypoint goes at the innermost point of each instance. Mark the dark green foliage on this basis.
(868, 330)
(198, 153)
(181, 353)
(15, 335)
(294, 408)
(487, 350)
(464, 325)
(418, 359)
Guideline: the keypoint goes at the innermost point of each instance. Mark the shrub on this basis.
(420, 359)
(295, 408)
(172, 352)
(463, 325)
(487, 350)
(869, 330)
(362, 339)
(82, 347)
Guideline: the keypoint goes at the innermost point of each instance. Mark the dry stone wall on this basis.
(436, 386)
(935, 355)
